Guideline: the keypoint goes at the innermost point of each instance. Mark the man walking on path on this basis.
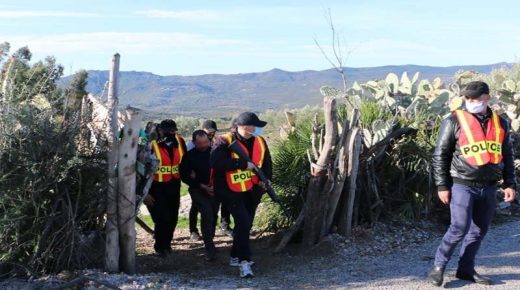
(210, 127)
(473, 153)
(196, 173)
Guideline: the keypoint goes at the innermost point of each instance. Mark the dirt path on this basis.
(404, 269)
(335, 264)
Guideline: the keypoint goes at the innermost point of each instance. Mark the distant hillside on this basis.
(218, 95)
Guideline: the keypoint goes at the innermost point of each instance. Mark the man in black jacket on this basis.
(473, 153)
(195, 172)
(237, 186)
(210, 128)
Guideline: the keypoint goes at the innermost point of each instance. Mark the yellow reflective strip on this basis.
(467, 131)
(156, 150)
(497, 133)
(155, 147)
(465, 126)
(229, 139)
(181, 149)
(262, 151)
(497, 127)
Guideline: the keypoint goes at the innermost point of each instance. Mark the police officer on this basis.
(472, 154)
(237, 186)
(164, 198)
(225, 215)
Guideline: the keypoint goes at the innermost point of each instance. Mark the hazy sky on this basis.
(199, 37)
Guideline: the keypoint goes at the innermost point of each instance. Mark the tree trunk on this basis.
(339, 173)
(127, 184)
(291, 231)
(112, 234)
(85, 119)
(354, 151)
(321, 182)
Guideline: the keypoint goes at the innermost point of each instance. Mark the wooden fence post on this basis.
(127, 184)
(112, 233)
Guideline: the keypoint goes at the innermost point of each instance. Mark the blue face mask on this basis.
(258, 131)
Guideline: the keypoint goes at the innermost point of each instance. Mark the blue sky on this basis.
(199, 37)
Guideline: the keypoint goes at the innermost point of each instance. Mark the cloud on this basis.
(192, 15)
(128, 42)
(33, 13)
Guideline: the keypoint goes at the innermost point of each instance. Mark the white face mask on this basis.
(475, 107)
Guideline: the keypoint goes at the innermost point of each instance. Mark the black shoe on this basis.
(161, 253)
(436, 275)
(473, 277)
(210, 254)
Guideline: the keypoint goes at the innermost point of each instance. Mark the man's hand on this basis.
(208, 189)
(250, 166)
(149, 200)
(509, 194)
(444, 196)
(264, 185)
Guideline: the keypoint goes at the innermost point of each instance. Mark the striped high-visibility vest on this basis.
(479, 148)
(168, 167)
(243, 180)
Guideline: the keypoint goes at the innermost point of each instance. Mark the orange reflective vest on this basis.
(479, 148)
(168, 168)
(243, 180)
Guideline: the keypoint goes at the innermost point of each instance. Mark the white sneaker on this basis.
(235, 262)
(245, 270)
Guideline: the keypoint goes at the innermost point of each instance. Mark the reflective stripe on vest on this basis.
(476, 147)
(168, 169)
(243, 180)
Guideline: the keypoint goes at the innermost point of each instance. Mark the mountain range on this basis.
(216, 95)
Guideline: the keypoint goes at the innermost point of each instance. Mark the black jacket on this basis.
(221, 160)
(449, 165)
(196, 162)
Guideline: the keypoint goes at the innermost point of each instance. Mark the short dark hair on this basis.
(168, 124)
(150, 126)
(475, 89)
(198, 133)
(209, 125)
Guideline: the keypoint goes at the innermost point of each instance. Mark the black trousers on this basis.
(242, 207)
(208, 207)
(225, 216)
(193, 217)
(165, 212)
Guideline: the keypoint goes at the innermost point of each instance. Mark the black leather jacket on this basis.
(449, 165)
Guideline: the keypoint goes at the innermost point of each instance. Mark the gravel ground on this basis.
(391, 256)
